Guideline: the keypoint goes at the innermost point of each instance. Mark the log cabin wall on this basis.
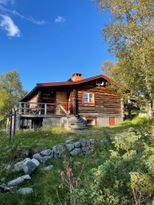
(47, 96)
(71, 101)
(107, 107)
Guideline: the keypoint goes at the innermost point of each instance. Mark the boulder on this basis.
(18, 180)
(4, 187)
(83, 142)
(45, 159)
(92, 141)
(19, 166)
(68, 141)
(48, 168)
(77, 144)
(46, 152)
(36, 162)
(37, 156)
(29, 166)
(88, 142)
(69, 147)
(26, 190)
(86, 150)
(58, 151)
(76, 151)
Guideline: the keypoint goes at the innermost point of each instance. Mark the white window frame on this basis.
(88, 98)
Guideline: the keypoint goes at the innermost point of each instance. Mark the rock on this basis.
(29, 166)
(19, 166)
(26, 190)
(77, 144)
(37, 156)
(92, 141)
(76, 151)
(4, 187)
(36, 162)
(46, 152)
(58, 151)
(83, 142)
(48, 168)
(86, 150)
(45, 159)
(68, 141)
(88, 142)
(18, 180)
(69, 147)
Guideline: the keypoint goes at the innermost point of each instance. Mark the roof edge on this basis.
(67, 83)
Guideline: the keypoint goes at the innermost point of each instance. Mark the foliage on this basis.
(126, 175)
(130, 35)
(10, 92)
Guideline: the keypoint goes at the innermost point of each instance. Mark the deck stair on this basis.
(76, 122)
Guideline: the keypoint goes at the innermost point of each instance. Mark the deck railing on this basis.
(33, 108)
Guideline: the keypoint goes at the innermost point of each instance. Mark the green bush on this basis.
(125, 176)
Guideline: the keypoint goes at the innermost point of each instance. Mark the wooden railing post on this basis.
(20, 108)
(25, 108)
(45, 109)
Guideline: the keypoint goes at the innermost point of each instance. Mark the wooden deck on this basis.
(33, 109)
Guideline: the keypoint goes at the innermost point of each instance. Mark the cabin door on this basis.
(61, 102)
(112, 121)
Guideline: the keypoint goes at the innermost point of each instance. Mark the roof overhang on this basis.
(66, 84)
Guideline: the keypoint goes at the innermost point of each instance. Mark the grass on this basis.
(47, 185)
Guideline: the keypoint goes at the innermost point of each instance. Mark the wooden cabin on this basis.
(76, 103)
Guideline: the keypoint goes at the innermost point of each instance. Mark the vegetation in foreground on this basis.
(120, 171)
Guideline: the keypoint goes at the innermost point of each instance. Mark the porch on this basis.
(34, 115)
(35, 109)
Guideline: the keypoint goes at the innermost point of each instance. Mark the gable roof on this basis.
(53, 84)
(66, 83)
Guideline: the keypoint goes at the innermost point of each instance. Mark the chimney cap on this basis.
(76, 77)
(77, 74)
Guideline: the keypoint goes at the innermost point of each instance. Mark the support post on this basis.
(14, 123)
(20, 108)
(45, 109)
(10, 129)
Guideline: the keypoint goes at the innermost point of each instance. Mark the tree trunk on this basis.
(149, 106)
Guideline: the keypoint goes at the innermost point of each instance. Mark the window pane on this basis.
(85, 97)
(91, 97)
(88, 97)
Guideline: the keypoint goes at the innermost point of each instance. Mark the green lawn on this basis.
(48, 188)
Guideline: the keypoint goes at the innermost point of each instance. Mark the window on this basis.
(88, 98)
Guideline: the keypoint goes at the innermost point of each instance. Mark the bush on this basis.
(125, 177)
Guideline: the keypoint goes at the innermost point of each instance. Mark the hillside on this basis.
(119, 170)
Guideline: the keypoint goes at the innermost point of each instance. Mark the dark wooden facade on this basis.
(107, 102)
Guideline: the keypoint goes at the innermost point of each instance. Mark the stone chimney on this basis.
(76, 77)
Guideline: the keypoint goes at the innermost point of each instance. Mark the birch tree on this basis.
(11, 92)
(131, 39)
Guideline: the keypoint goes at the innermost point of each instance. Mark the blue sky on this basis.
(48, 40)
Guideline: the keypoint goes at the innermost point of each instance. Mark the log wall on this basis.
(107, 101)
